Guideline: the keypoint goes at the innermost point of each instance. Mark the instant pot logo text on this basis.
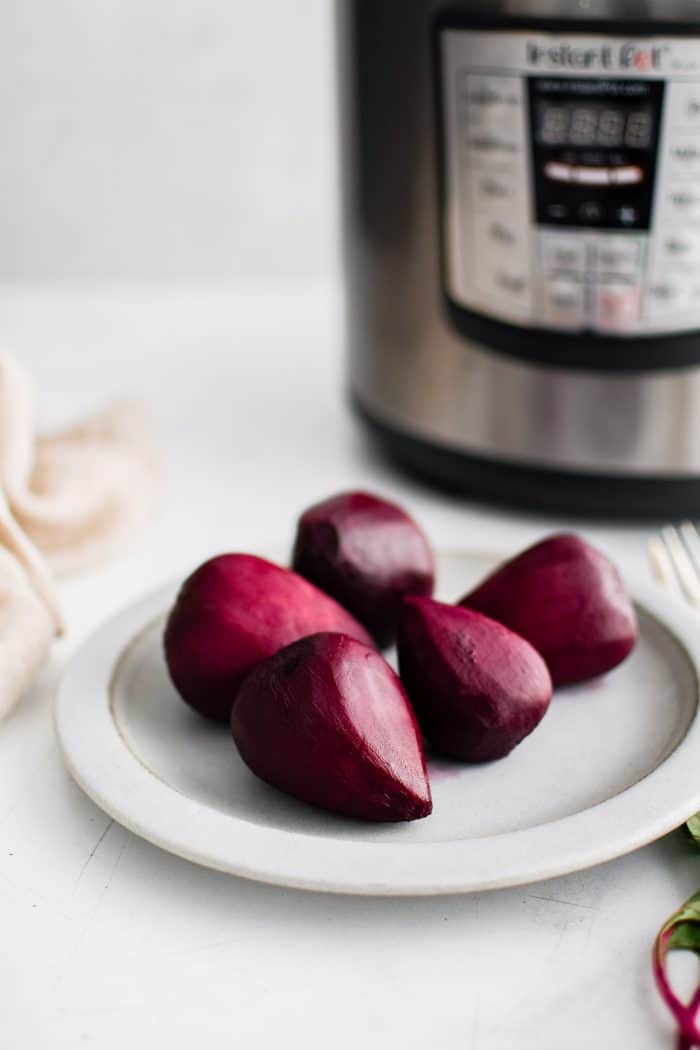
(642, 58)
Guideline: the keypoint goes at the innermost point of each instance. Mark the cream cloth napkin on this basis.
(66, 502)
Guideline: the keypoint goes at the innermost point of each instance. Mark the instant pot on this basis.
(522, 225)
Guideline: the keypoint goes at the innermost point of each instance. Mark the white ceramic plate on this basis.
(613, 766)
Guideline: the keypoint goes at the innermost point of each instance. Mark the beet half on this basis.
(568, 600)
(477, 688)
(234, 611)
(368, 554)
(328, 721)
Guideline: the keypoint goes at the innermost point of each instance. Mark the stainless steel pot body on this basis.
(414, 374)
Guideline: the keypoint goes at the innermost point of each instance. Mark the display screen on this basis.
(576, 125)
(594, 149)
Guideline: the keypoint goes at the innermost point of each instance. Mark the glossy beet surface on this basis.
(233, 612)
(568, 600)
(477, 688)
(368, 554)
(328, 721)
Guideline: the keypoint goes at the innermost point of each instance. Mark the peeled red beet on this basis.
(568, 600)
(233, 612)
(477, 688)
(327, 720)
(368, 554)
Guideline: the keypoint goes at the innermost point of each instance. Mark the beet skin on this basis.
(233, 612)
(328, 721)
(568, 600)
(368, 554)
(477, 688)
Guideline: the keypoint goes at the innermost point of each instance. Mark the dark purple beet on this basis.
(568, 600)
(477, 688)
(328, 721)
(233, 612)
(368, 554)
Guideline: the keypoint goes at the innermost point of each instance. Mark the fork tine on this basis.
(683, 564)
(662, 566)
(691, 538)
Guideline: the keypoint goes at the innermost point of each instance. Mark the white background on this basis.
(167, 139)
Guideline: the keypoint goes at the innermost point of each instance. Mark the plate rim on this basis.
(124, 788)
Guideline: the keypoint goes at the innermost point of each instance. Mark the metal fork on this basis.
(675, 560)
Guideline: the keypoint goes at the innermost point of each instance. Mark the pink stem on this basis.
(683, 1013)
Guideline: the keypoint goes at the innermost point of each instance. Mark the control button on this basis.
(483, 96)
(682, 105)
(663, 293)
(493, 145)
(493, 189)
(678, 247)
(513, 283)
(508, 288)
(501, 117)
(591, 211)
(685, 203)
(488, 91)
(564, 253)
(681, 249)
(502, 234)
(558, 212)
(497, 193)
(498, 242)
(691, 106)
(618, 256)
(627, 215)
(565, 303)
(664, 298)
(618, 307)
(684, 155)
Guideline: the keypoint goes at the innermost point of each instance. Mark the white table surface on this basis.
(108, 941)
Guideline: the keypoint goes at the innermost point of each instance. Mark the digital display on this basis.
(590, 125)
(594, 145)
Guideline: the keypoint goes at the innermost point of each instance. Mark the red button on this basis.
(618, 307)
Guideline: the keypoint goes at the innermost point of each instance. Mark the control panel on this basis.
(572, 180)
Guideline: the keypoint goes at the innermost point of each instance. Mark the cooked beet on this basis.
(568, 600)
(368, 554)
(233, 612)
(327, 720)
(477, 688)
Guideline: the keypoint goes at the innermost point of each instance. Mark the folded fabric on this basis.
(67, 502)
(27, 629)
(91, 488)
